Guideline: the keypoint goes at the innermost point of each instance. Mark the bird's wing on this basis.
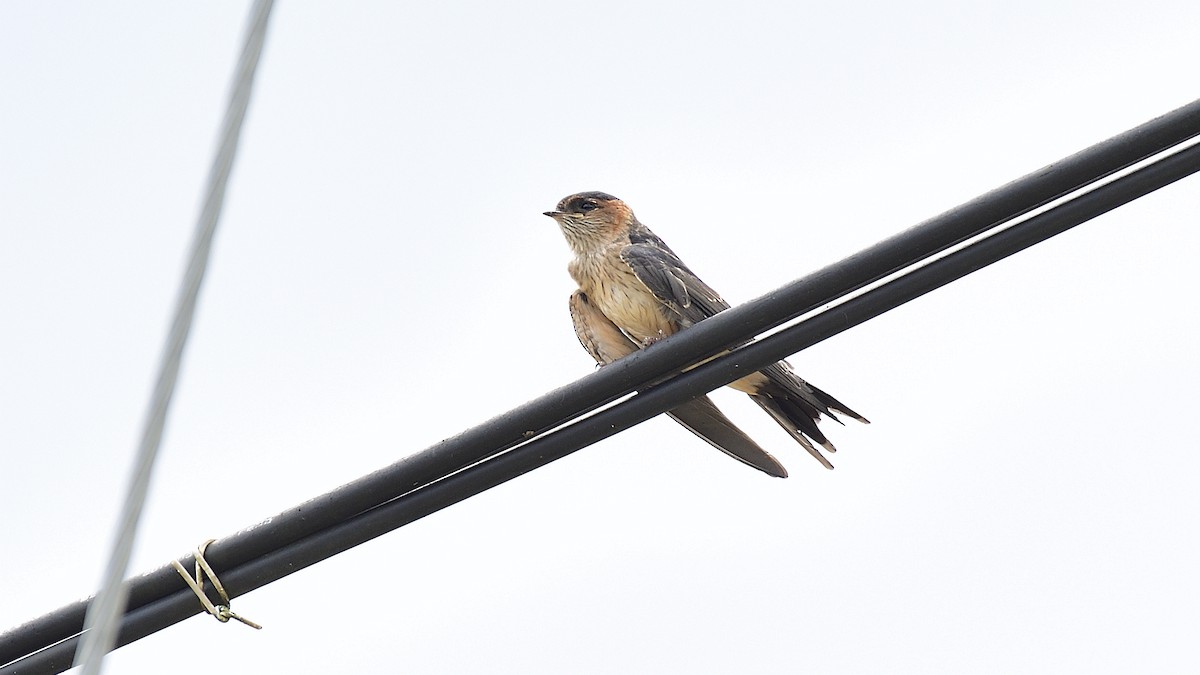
(671, 282)
(599, 336)
(791, 401)
(702, 417)
(606, 343)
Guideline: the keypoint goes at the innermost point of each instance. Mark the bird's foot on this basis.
(647, 341)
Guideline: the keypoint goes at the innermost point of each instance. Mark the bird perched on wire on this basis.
(634, 290)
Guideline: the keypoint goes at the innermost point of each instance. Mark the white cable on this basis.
(105, 610)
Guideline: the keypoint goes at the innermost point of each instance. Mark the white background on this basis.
(383, 278)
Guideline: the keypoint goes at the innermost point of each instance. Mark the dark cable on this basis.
(655, 401)
(340, 519)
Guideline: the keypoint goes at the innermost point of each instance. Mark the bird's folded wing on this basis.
(606, 343)
(702, 417)
(672, 283)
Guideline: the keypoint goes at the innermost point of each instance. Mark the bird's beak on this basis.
(553, 214)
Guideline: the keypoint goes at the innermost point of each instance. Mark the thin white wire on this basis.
(103, 616)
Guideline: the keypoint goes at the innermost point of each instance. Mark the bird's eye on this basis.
(588, 206)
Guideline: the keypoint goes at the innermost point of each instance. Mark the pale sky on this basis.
(1024, 501)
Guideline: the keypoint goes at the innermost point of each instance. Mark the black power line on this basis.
(390, 498)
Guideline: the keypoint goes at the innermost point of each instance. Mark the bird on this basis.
(634, 290)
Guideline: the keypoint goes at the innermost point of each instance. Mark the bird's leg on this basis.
(649, 340)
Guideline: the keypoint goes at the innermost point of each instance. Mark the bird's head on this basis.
(591, 219)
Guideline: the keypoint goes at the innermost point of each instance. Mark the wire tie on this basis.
(221, 612)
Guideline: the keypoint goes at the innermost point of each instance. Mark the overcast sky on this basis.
(1024, 501)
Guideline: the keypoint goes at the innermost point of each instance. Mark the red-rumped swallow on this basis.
(634, 291)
